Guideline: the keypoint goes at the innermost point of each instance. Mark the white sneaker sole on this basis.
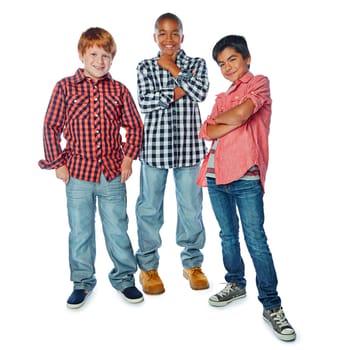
(226, 302)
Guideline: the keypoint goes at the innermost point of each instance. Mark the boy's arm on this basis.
(132, 123)
(258, 95)
(231, 119)
(237, 115)
(151, 96)
(167, 62)
(52, 131)
(195, 82)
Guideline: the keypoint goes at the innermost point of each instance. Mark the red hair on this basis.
(99, 37)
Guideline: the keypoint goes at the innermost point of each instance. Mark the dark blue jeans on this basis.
(247, 197)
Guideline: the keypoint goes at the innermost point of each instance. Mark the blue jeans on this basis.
(81, 204)
(247, 196)
(190, 233)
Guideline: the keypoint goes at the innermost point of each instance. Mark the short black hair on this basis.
(236, 42)
(168, 15)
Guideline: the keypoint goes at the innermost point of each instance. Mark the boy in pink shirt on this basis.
(234, 171)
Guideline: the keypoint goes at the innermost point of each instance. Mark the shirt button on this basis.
(96, 115)
(96, 98)
(97, 131)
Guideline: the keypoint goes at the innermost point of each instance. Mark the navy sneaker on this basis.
(77, 298)
(132, 295)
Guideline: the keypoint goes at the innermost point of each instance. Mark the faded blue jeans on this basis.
(247, 196)
(190, 233)
(112, 203)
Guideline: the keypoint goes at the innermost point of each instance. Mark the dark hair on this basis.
(236, 42)
(169, 15)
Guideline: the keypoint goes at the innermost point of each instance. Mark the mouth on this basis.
(99, 67)
(230, 76)
(169, 47)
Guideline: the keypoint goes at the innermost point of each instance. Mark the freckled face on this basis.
(232, 64)
(97, 62)
(168, 37)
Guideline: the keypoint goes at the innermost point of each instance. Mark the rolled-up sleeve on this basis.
(150, 96)
(194, 81)
(258, 92)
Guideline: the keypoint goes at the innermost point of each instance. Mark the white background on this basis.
(303, 47)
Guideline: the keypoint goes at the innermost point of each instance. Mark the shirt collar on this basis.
(179, 56)
(245, 78)
(79, 76)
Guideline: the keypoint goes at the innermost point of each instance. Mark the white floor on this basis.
(36, 285)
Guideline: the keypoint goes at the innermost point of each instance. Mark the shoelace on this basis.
(194, 270)
(151, 274)
(227, 289)
(280, 319)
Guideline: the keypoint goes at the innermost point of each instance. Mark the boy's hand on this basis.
(168, 62)
(62, 173)
(178, 93)
(126, 169)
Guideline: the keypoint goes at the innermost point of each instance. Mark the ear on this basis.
(81, 57)
(155, 37)
(182, 38)
(248, 60)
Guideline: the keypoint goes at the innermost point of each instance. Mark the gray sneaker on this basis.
(279, 323)
(229, 293)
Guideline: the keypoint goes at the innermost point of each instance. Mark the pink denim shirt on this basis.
(246, 145)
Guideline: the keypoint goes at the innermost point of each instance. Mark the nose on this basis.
(227, 66)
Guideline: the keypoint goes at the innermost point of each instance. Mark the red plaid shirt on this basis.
(89, 115)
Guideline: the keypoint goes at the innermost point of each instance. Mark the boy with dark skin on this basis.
(170, 86)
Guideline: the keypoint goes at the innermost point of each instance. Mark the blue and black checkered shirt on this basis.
(171, 128)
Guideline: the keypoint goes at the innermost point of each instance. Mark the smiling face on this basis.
(97, 62)
(232, 64)
(168, 36)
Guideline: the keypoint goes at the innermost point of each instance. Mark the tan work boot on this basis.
(197, 278)
(151, 282)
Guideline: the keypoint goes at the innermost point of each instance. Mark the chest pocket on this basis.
(113, 107)
(77, 107)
